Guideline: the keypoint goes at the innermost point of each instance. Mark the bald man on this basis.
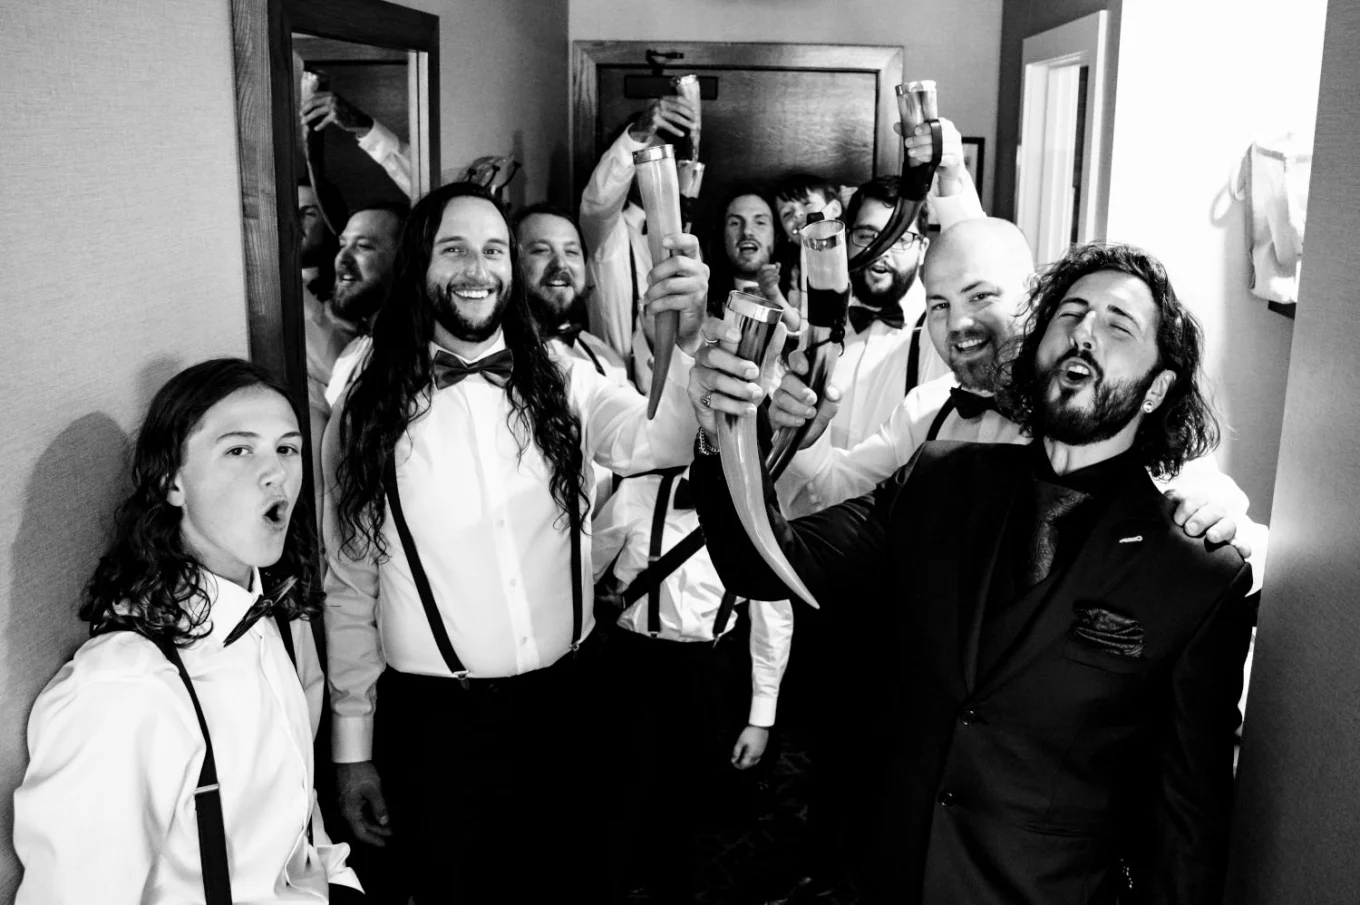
(977, 277)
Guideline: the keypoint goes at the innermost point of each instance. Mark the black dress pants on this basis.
(485, 784)
(679, 707)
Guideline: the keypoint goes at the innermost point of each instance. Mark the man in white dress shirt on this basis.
(552, 262)
(458, 586)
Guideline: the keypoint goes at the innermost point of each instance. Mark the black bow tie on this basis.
(567, 332)
(970, 405)
(449, 369)
(683, 498)
(258, 610)
(862, 316)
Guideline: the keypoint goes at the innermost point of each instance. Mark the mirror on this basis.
(371, 72)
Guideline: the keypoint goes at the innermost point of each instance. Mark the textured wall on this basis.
(953, 42)
(122, 263)
(1298, 812)
(503, 89)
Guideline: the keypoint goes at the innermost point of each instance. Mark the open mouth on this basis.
(966, 347)
(276, 514)
(1075, 373)
(747, 247)
(471, 293)
(561, 281)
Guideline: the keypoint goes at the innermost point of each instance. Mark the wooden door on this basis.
(768, 109)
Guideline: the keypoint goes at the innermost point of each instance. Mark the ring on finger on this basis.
(706, 400)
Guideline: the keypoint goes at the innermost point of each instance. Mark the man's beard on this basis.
(1115, 405)
(975, 373)
(866, 295)
(451, 319)
(357, 301)
(550, 305)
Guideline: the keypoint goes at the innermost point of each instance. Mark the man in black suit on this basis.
(1063, 663)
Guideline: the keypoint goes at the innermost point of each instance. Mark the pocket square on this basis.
(1108, 630)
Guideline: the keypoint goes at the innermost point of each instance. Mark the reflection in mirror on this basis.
(354, 159)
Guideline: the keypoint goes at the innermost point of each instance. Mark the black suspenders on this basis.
(914, 354)
(212, 831)
(648, 581)
(422, 581)
(945, 411)
(594, 359)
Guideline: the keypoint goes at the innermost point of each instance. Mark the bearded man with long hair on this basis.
(1059, 663)
(458, 591)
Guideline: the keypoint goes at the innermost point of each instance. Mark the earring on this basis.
(1147, 407)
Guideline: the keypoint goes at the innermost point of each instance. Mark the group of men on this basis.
(1023, 683)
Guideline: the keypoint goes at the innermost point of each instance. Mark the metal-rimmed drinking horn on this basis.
(659, 186)
(916, 104)
(737, 442)
(827, 276)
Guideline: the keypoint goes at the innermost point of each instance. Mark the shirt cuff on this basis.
(630, 144)
(950, 209)
(352, 739)
(763, 710)
(379, 141)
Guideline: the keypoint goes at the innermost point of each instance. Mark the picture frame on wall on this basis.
(974, 156)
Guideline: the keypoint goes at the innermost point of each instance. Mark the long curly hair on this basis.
(394, 387)
(1184, 427)
(148, 581)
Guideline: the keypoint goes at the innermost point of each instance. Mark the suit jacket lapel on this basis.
(1122, 538)
(985, 526)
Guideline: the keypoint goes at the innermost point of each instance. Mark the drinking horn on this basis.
(826, 297)
(739, 448)
(659, 186)
(916, 104)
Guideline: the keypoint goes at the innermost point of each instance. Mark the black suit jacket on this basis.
(1037, 781)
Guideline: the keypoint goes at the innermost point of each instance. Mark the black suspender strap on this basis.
(729, 600)
(422, 581)
(408, 546)
(654, 574)
(914, 354)
(633, 286)
(212, 833)
(945, 411)
(663, 505)
(594, 359)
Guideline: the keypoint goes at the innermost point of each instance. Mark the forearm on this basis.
(389, 152)
(606, 193)
(771, 641)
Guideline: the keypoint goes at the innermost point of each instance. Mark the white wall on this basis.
(955, 42)
(122, 263)
(1197, 83)
(503, 90)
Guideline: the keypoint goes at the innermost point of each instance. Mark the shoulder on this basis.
(926, 399)
(601, 348)
(962, 456)
(119, 676)
(1189, 557)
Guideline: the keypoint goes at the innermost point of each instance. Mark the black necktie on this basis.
(449, 369)
(970, 405)
(1052, 503)
(861, 316)
(258, 610)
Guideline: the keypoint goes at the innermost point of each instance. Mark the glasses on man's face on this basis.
(864, 236)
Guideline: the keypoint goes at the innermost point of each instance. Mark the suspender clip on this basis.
(203, 790)
(462, 678)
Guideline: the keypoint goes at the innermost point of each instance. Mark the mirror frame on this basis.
(266, 121)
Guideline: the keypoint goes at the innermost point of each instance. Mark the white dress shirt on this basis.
(106, 811)
(587, 345)
(620, 258)
(390, 153)
(493, 542)
(689, 596)
(822, 476)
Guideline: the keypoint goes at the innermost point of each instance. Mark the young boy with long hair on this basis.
(170, 760)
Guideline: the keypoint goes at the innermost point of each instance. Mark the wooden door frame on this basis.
(265, 124)
(587, 56)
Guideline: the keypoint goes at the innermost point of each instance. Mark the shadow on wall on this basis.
(69, 502)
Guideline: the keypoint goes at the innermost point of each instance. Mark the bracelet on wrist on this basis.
(704, 447)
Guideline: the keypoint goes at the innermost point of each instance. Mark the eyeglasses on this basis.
(864, 236)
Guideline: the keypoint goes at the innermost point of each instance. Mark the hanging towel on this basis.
(1272, 179)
